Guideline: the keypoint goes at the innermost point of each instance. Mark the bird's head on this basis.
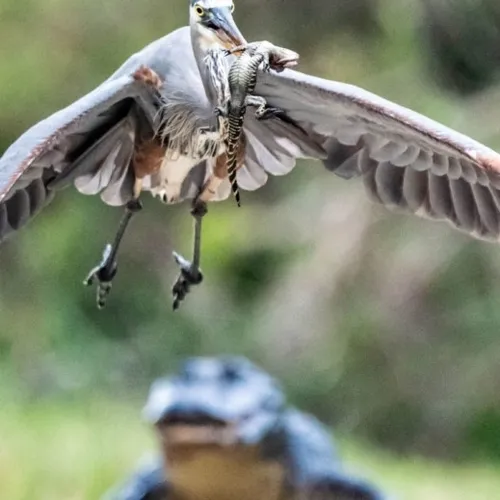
(213, 22)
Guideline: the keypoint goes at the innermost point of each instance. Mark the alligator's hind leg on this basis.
(263, 111)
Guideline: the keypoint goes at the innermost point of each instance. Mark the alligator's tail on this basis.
(234, 185)
(235, 126)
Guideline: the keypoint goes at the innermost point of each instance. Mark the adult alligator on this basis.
(226, 433)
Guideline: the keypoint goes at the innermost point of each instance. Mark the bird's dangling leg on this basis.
(105, 271)
(190, 271)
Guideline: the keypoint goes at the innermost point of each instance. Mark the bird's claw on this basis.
(104, 273)
(190, 275)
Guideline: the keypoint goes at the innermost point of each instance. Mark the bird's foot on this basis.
(104, 273)
(190, 275)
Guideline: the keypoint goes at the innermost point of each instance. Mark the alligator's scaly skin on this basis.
(242, 79)
(226, 433)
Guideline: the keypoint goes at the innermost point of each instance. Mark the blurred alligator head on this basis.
(215, 402)
(226, 433)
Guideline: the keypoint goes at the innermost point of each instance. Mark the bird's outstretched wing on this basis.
(406, 160)
(90, 143)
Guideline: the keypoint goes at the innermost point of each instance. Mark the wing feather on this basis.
(486, 208)
(64, 132)
(389, 184)
(407, 160)
(415, 189)
(90, 143)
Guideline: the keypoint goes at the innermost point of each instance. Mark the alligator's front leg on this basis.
(341, 487)
(148, 483)
(211, 129)
(220, 113)
(190, 270)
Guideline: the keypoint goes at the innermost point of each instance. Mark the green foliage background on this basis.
(385, 326)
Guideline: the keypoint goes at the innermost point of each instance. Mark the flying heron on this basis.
(151, 127)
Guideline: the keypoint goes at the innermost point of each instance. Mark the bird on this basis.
(151, 127)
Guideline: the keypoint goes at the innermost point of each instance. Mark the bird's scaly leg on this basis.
(147, 161)
(190, 271)
(105, 271)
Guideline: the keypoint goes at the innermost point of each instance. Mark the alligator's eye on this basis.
(200, 11)
(231, 373)
(187, 372)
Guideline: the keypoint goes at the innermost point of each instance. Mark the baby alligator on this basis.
(242, 79)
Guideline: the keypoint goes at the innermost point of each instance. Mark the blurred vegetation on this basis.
(385, 326)
(67, 449)
(462, 40)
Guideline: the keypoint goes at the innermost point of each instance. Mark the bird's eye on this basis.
(200, 11)
(232, 7)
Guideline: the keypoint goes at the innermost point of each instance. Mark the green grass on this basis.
(76, 452)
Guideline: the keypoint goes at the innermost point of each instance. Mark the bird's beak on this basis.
(225, 28)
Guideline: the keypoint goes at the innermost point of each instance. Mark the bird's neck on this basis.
(201, 47)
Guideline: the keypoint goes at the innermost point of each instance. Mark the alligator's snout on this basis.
(185, 425)
(187, 416)
(214, 402)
